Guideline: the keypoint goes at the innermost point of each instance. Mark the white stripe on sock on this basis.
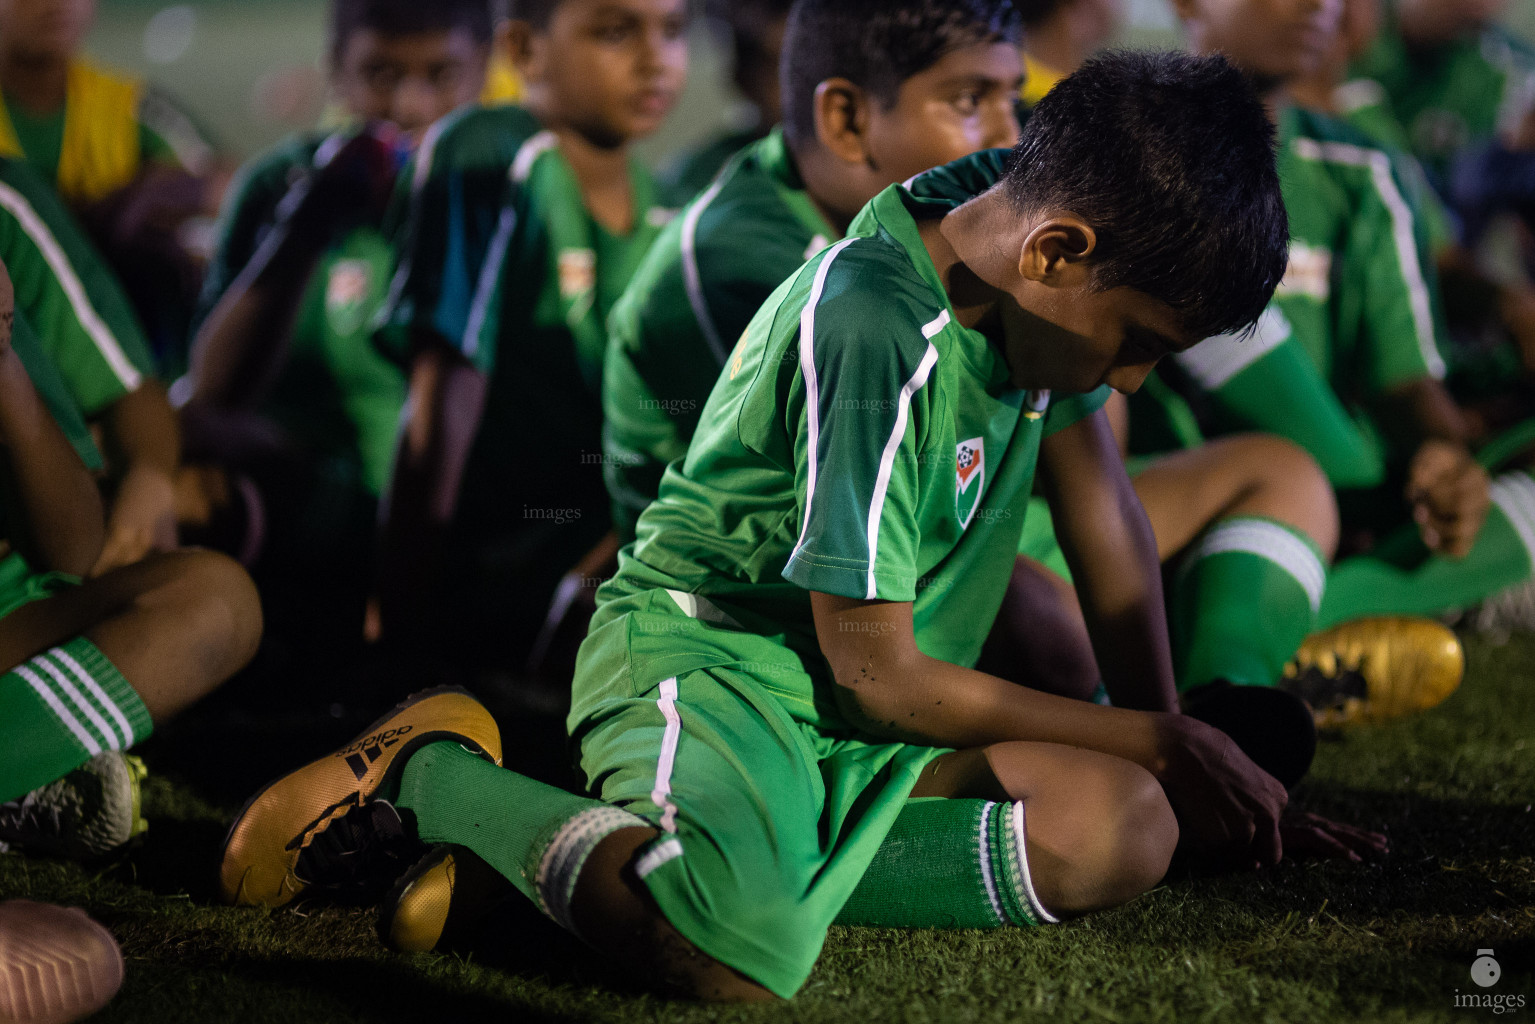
(125, 728)
(988, 869)
(59, 710)
(560, 866)
(84, 706)
(1023, 866)
(1272, 542)
(662, 793)
(1514, 494)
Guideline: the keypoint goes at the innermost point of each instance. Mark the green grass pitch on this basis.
(1391, 941)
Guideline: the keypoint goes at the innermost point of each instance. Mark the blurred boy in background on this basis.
(524, 225)
(288, 401)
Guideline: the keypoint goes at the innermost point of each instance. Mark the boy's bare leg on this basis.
(1100, 829)
(1243, 475)
(614, 912)
(175, 625)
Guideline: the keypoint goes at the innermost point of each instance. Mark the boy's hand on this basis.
(1448, 491)
(143, 519)
(1228, 808)
(1311, 835)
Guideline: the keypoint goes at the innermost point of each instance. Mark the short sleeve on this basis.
(1389, 268)
(50, 388)
(1064, 410)
(866, 367)
(461, 210)
(248, 213)
(73, 302)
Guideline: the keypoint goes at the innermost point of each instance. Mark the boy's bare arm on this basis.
(244, 342)
(1108, 543)
(1226, 805)
(57, 520)
(437, 430)
(242, 345)
(144, 438)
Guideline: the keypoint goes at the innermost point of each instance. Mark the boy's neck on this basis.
(601, 172)
(35, 83)
(826, 186)
(965, 244)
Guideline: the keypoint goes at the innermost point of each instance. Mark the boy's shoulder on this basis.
(281, 164)
(479, 138)
(748, 206)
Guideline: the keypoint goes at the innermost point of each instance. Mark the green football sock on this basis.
(1245, 598)
(1401, 577)
(949, 864)
(534, 834)
(61, 709)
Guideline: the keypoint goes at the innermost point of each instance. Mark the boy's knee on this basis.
(222, 607)
(1134, 838)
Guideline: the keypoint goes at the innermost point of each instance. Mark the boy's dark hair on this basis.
(1170, 158)
(877, 45)
(535, 12)
(408, 17)
(748, 22)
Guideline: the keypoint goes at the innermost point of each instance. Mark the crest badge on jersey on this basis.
(346, 295)
(969, 478)
(578, 273)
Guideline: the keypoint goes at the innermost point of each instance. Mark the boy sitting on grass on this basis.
(524, 225)
(95, 665)
(286, 385)
(774, 708)
(877, 92)
(1355, 375)
(85, 325)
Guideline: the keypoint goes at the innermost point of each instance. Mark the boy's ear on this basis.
(842, 120)
(1057, 249)
(1184, 9)
(521, 44)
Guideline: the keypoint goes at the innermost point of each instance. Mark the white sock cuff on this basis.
(565, 855)
(1514, 495)
(1270, 541)
(1019, 853)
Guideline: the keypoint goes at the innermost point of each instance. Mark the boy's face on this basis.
(610, 69)
(46, 28)
(409, 80)
(962, 104)
(1444, 20)
(1075, 338)
(1272, 40)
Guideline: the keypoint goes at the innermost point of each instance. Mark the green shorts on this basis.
(771, 808)
(19, 585)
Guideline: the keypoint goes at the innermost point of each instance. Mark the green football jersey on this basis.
(72, 301)
(860, 442)
(501, 260)
(1455, 94)
(1363, 104)
(698, 288)
(337, 394)
(51, 389)
(1359, 296)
